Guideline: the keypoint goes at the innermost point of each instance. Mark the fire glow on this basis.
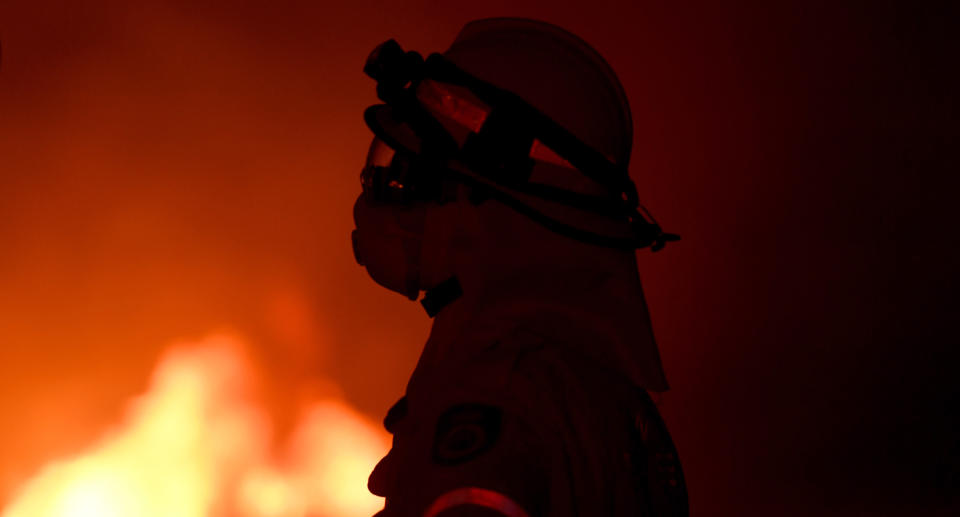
(197, 445)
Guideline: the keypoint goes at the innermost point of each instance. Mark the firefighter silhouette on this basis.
(497, 184)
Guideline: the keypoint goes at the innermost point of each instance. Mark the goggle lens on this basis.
(388, 176)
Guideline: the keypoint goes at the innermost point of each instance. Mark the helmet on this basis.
(516, 110)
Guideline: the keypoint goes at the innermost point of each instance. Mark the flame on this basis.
(197, 445)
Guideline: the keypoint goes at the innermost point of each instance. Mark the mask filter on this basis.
(387, 242)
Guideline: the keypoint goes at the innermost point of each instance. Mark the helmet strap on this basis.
(441, 295)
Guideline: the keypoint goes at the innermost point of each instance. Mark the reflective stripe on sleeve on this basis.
(477, 497)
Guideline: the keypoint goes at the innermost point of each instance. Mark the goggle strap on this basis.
(646, 233)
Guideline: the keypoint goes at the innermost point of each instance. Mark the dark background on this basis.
(172, 168)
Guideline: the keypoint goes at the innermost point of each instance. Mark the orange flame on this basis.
(196, 445)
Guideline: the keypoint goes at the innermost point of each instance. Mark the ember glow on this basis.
(197, 444)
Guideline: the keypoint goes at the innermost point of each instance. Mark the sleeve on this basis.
(461, 458)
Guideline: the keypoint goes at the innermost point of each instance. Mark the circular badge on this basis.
(464, 432)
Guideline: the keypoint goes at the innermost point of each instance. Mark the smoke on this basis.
(171, 168)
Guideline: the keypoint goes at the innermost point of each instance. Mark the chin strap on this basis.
(441, 295)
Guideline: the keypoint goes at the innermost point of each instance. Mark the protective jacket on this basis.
(516, 413)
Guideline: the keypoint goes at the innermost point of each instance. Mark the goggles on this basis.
(437, 116)
(402, 177)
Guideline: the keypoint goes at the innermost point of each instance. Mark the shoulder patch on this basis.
(464, 432)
